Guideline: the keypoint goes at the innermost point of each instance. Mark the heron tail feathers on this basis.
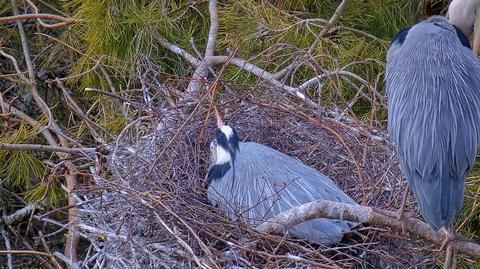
(438, 199)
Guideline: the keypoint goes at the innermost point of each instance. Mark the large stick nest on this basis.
(147, 209)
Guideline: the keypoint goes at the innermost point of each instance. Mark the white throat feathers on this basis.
(223, 156)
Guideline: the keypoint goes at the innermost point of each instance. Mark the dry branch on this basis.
(24, 252)
(259, 72)
(19, 214)
(72, 104)
(202, 70)
(179, 51)
(37, 147)
(365, 215)
(213, 31)
(63, 21)
(38, 16)
(8, 246)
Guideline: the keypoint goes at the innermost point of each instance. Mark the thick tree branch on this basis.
(213, 31)
(365, 215)
(201, 73)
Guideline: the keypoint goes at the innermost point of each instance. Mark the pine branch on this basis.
(286, 71)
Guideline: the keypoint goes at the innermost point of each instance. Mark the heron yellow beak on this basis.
(219, 118)
(476, 34)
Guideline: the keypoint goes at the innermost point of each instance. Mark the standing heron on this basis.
(433, 88)
(253, 183)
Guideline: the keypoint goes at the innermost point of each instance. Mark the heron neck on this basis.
(223, 156)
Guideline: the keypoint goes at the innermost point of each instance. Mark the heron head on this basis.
(465, 14)
(223, 149)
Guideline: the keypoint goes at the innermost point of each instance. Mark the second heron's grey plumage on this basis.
(433, 87)
(268, 182)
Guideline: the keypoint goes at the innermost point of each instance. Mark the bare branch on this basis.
(328, 26)
(179, 51)
(47, 249)
(38, 16)
(261, 73)
(19, 214)
(65, 260)
(8, 246)
(46, 134)
(202, 70)
(26, 252)
(38, 147)
(15, 64)
(64, 21)
(213, 32)
(78, 110)
(367, 215)
(116, 96)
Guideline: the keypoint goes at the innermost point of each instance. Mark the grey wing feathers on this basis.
(269, 182)
(433, 87)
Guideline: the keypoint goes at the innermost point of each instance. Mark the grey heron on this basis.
(433, 89)
(252, 183)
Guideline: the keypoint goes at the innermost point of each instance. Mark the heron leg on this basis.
(401, 211)
(450, 258)
(449, 237)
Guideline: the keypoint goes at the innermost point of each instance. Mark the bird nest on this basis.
(146, 208)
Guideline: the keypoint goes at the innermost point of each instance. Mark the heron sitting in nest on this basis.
(253, 183)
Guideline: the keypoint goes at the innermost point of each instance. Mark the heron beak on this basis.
(219, 118)
(476, 33)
